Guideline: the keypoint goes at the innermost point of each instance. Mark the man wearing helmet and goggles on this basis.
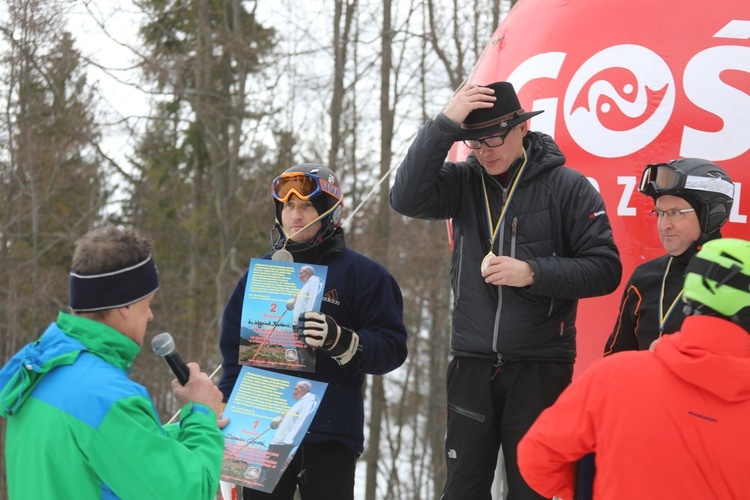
(672, 423)
(313, 198)
(692, 199)
(360, 330)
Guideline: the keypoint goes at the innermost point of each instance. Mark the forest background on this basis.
(216, 97)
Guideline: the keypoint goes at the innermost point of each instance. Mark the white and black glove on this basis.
(321, 331)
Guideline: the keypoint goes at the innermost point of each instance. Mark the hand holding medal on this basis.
(506, 271)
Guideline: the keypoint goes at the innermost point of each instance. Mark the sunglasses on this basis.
(304, 186)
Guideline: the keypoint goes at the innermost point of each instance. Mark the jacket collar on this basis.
(315, 254)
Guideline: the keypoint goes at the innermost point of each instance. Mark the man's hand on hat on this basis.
(466, 99)
(322, 332)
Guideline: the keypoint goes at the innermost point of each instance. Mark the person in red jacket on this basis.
(672, 423)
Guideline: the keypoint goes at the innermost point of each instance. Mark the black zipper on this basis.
(467, 413)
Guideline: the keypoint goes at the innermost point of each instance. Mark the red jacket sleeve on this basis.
(562, 434)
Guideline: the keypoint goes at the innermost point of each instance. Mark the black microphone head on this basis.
(163, 344)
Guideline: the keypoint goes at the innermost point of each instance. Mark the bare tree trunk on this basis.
(218, 102)
(382, 239)
(342, 23)
(453, 67)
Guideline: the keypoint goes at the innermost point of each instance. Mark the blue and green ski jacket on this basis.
(79, 428)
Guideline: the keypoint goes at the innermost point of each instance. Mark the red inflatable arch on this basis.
(625, 83)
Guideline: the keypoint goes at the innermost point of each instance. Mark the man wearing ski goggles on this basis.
(304, 186)
(357, 329)
(692, 200)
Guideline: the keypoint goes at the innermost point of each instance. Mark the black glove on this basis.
(321, 331)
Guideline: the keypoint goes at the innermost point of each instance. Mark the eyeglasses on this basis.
(493, 141)
(304, 186)
(672, 213)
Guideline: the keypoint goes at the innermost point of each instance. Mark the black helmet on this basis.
(693, 179)
(314, 182)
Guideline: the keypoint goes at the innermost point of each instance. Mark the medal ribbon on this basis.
(664, 317)
(495, 232)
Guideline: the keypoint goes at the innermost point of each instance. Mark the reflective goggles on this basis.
(661, 178)
(304, 186)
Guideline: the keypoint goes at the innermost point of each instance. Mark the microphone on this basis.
(163, 345)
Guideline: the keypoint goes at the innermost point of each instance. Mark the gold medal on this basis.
(486, 260)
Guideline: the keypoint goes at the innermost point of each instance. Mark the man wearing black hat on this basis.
(531, 238)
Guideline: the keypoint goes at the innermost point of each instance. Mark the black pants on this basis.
(319, 470)
(268, 475)
(489, 406)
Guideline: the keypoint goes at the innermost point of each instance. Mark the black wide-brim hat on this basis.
(505, 114)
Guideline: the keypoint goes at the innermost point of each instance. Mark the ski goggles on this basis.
(662, 178)
(304, 186)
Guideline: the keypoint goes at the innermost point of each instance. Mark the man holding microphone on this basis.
(78, 426)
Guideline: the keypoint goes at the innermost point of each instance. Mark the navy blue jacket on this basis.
(359, 294)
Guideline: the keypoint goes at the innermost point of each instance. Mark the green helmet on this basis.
(719, 276)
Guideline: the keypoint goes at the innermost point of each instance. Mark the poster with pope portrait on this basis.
(275, 295)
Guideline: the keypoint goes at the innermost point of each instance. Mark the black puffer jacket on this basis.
(556, 222)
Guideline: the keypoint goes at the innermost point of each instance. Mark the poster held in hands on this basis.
(275, 295)
(269, 414)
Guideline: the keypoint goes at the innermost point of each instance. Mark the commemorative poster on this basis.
(275, 295)
(269, 414)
